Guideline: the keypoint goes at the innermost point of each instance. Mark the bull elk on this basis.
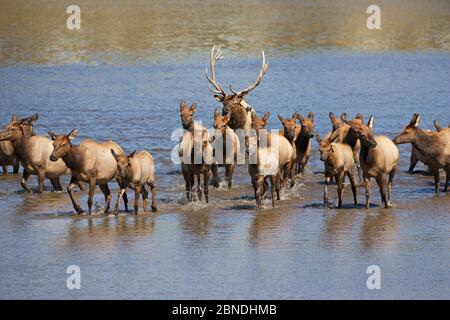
(378, 156)
(234, 104)
(89, 162)
(435, 146)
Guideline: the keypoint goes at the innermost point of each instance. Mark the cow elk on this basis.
(234, 104)
(33, 152)
(435, 146)
(290, 132)
(303, 141)
(339, 162)
(89, 162)
(378, 156)
(196, 157)
(8, 155)
(135, 171)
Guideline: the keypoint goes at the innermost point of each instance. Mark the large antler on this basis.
(262, 72)
(215, 56)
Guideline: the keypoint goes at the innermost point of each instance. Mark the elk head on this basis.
(337, 122)
(409, 132)
(289, 126)
(260, 123)
(220, 121)
(17, 129)
(363, 132)
(325, 148)
(234, 101)
(307, 123)
(61, 144)
(123, 164)
(187, 115)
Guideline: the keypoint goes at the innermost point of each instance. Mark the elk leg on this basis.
(16, 166)
(108, 196)
(231, 168)
(205, 186)
(125, 199)
(72, 184)
(351, 177)
(137, 194)
(277, 185)
(144, 194)
(153, 190)
(340, 187)
(325, 192)
(412, 162)
(435, 173)
(447, 178)
(381, 181)
(41, 179)
(24, 183)
(367, 186)
(259, 191)
(272, 190)
(5, 170)
(214, 170)
(92, 185)
(54, 182)
(389, 188)
(119, 196)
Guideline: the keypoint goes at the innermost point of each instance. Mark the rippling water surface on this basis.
(122, 76)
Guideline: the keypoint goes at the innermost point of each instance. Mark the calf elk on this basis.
(378, 156)
(226, 148)
(339, 162)
(234, 104)
(90, 162)
(435, 146)
(267, 166)
(135, 171)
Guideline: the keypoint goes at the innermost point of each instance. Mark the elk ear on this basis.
(193, 107)
(359, 116)
(33, 118)
(131, 155)
(343, 116)
(182, 105)
(216, 113)
(370, 122)
(331, 115)
(253, 116)
(266, 116)
(72, 134)
(298, 116)
(14, 118)
(115, 155)
(52, 135)
(318, 138)
(415, 120)
(437, 125)
(281, 118)
(311, 116)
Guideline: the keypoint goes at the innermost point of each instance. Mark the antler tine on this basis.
(262, 72)
(215, 56)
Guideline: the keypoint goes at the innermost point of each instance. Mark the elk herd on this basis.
(238, 137)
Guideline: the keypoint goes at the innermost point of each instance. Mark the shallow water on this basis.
(224, 249)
